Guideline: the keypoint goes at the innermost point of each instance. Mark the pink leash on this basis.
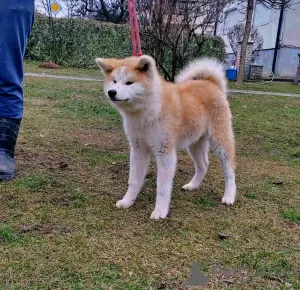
(134, 28)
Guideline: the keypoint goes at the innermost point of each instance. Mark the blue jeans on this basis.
(16, 19)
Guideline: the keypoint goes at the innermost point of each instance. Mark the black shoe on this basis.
(9, 130)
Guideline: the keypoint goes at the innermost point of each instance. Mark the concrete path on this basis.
(100, 80)
(264, 93)
(62, 77)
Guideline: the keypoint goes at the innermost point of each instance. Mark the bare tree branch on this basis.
(235, 35)
(110, 11)
(174, 31)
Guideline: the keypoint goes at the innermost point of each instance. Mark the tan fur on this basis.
(164, 116)
(195, 107)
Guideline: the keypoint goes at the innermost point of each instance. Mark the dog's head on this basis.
(128, 81)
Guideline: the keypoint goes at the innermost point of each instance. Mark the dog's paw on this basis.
(189, 186)
(159, 214)
(123, 203)
(229, 200)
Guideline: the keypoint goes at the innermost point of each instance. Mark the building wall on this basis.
(266, 21)
(287, 62)
(291, 27)
(286, 65)
(232, 16)
(265, 58)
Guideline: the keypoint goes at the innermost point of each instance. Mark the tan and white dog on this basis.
(161, 117)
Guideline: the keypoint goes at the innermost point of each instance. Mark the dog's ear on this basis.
(105, 65)
(145, 64)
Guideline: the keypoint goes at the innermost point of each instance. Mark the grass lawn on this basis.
(33, 67)
(60, 229)
(279, 87)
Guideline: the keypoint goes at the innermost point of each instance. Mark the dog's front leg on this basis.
(139, 162)
(166, 167)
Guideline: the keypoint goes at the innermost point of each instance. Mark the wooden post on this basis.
(296, 79)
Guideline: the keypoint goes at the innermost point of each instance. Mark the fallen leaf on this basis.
(223, 236)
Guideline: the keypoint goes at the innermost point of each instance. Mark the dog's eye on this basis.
(129, 83)
(115, 81)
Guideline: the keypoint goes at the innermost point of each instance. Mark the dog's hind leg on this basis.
(222, 144)
(199, 153)
(139, 162)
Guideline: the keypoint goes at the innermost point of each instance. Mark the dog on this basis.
(161, 117)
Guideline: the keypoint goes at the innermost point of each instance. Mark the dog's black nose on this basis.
(112, 94)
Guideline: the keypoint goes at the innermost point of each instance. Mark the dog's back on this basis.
(195, 102)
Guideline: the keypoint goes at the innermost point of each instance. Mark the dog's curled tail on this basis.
(204, 69)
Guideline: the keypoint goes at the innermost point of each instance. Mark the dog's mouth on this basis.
(118, 100)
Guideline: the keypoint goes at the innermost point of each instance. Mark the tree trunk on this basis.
(250, 9)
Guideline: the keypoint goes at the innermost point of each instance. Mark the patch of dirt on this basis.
(44, 229)
(97, 138)
(63, 199)
(254, 169)
(293, 225)
(39, 102)
(51, 229)
(34, 157)
(50, 65)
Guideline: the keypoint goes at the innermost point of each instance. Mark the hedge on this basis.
(77, 42)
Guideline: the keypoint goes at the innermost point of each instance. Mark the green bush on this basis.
(213, 46)
(77, 42)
